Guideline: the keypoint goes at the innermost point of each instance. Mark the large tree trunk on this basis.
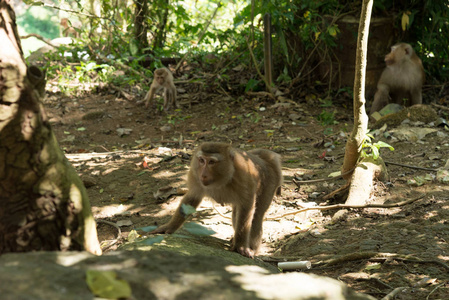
(43, 203)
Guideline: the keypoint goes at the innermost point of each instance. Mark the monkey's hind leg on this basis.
(257, 223)
(242, 228)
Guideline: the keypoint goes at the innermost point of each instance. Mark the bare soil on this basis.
(124, 169)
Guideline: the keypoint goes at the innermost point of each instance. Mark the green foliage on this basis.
(370, 149)
(304, 35)
(39, 20)
(253, 85)
(326, 102)
(175, 118)
(284, 77)
(254, 117)
(429, 27)
(298, 27)
(84, 72)
(426, 27)
(107, 284)
(327, 118)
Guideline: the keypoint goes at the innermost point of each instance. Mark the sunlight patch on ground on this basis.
(110, 210)
(165, 174)
(446, 258)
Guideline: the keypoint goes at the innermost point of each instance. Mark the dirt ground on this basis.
(125, 153)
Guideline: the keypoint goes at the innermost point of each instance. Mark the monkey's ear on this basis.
(232, 153)
(408, 50)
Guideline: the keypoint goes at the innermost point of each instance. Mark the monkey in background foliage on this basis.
(163, 80)
(402, 78)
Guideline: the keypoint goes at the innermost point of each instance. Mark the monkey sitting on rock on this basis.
(402, 79)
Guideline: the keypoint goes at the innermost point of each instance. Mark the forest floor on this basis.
(125, 153)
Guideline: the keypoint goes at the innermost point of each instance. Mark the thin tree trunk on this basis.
(159, 40)
(361, 182)
(43, 203)
(140, 23)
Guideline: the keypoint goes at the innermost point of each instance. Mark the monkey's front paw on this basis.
(162, 229)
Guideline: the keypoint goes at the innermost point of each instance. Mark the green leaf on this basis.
(373, 267)
(143, 172)
(32, 3)
(187, 209)
(381, 144)
(134, 47)
(375, 152)
(334, 174)
(333, 30)
(105, 284)
(133, 236)
(197, 229)
(148, 228)
(251, 85)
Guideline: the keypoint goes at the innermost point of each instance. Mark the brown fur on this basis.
(68, 29)
(246, 180)
(402, 78)
(163, 80)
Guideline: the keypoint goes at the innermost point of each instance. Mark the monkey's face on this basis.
(213, 170)
(398, 53)
(389, 59)
(160, 79)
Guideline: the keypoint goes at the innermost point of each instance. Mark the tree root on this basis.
(378, 257)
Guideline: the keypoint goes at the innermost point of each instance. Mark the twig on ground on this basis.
(436, 288)
(393, 293)
(416, 261)
(344, 206)
(299, 182)
(377, 280)
(379, 257)
(411, 167)
(440, 106)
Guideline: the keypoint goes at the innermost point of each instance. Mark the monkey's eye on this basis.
(212, 162)
(201, 160)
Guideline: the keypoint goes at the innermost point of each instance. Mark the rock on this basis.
(179, 268)
(416, 113)
(89, 181)
(123, 131)
(95, 115)
(294, 117)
